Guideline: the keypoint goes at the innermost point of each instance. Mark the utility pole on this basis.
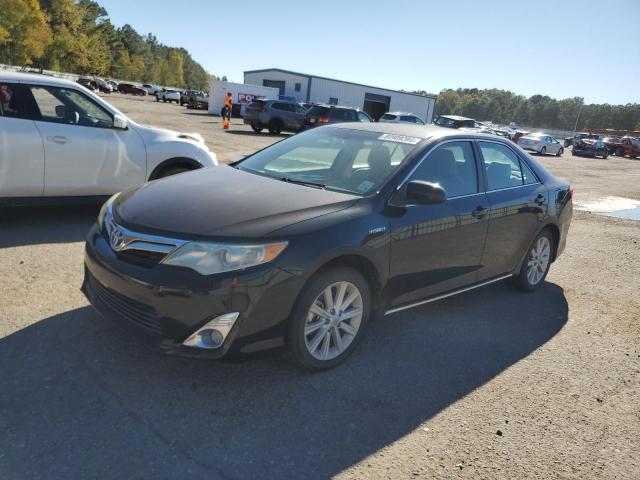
(578, 118)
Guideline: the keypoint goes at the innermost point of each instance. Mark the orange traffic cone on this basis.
(226, 124)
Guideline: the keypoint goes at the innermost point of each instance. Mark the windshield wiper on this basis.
(304, 182)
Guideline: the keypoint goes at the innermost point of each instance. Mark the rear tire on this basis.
(323, 331)
(620, 152)
(275, 127)
(536, 263)
(256, 129)
(543, 151)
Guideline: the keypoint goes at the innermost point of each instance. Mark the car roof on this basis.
(456, 117)
(413, 130)
(400, 113)
(20, 77)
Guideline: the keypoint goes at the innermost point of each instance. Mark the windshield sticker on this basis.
(366, 185)
(390, 137)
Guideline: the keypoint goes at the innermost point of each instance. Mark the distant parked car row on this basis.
(289, 116)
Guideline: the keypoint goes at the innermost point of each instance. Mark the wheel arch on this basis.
(555, 233)
(362, 264)
(186, 162)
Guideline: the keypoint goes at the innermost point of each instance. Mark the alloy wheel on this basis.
(333, 320)
(538, 260)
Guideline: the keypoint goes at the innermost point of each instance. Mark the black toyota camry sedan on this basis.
(303, 243)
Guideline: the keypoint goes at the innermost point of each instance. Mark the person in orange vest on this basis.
(228, 105)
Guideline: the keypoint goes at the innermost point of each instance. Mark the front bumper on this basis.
(169, 303)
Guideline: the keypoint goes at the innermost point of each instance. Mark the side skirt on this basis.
(445, 295)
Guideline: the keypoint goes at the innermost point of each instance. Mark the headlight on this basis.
(210, 258)
(105, 208)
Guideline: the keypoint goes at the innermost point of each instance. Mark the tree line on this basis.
(77, 36)
(539, 111)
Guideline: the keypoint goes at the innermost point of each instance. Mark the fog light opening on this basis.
(210, 338)
(213, 333)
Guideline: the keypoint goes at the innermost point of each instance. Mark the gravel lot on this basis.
(489, 384)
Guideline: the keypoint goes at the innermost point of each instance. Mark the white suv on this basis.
(58, 139)
(400, 117)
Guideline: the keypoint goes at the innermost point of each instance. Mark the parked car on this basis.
(198, 100)
(400, 117)
(90, 148)
(518, 135)
(628, 147)
(579, 136)
(103, 85)
(131, 88)
(328, 114)
(168, 95)
(319, 233)
(590, 147)
(151, 89)
(541, 143)
(276, 115)
(612, 143)
(88, 82)
(454, 121)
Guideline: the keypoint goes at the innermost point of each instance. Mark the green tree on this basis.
(24, 32)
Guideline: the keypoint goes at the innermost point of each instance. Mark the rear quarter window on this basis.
(317, 111)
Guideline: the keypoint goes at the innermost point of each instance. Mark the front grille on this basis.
(134, 312)
(141, 257)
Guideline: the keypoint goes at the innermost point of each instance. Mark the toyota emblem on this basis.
(117, 239)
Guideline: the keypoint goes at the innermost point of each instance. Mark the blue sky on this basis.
(560, 48)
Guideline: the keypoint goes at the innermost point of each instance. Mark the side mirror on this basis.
(61, 111)
(425, 193)
(120, 122)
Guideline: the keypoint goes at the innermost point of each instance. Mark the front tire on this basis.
(560, 152)
(256, 129)
(536, 263)
(620, 152)
(329, 318)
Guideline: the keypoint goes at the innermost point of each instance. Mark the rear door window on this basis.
(317, 111)
(502, 166)
(453, 166)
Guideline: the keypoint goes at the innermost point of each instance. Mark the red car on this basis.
(130, 88)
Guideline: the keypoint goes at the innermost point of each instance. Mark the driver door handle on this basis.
(479, 212)
(59, 139)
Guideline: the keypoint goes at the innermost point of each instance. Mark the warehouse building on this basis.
(313, 89)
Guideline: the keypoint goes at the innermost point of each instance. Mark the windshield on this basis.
(340, 159)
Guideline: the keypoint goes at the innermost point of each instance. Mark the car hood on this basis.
(222, 203)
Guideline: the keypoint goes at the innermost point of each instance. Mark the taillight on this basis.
(323, 120)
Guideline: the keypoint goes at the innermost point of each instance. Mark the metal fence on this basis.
(67, 76)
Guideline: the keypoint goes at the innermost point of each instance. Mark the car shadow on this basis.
(82, 398)
(46, 224)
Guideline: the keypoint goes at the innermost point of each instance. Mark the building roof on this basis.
(306, 75)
